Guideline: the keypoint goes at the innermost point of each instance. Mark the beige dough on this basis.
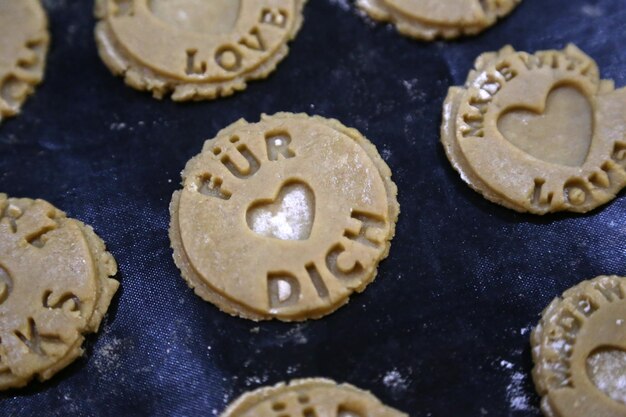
(23, 46)
(431, 19)
(538, 133)
(579, 349)
(310, 397)
(195, 49)
(283, 219)
(55, 287)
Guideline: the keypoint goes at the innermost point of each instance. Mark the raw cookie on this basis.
(310, 397)
(538, 133)
(197, 49)
(23, 46)
(579, 349)
(430, 19)
(55, 287)
(284, 218)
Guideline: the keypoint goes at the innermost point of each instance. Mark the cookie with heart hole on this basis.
(579, 350)
(284, 218)
(431, 19)
(538, 133)
(55, 287)
(195, 49)
(24, 34)
(310, 397)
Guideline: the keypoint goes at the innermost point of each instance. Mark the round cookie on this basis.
(23, 48)
(283, 219)
(579, 350)
(310, 397)
(538, 133)
(195, 49)
(431, 19)
(55, 287)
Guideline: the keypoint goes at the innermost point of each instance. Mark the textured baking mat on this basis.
(444, 329)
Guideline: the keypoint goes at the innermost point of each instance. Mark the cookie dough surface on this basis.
(431, 19)
(195, 49)
(310, 397)
(538, 133)
(283, 219)
(23, 46)
(55, 287)
(579, 349)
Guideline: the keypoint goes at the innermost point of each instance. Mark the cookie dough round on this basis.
(538, 133)
(310, 397)
(579, 349)
(283, 219)
(23, 47)
(195, 49)
(55, 287)
(431, 19)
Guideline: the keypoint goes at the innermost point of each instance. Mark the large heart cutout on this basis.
(214, 17)
(289, 216)
(607, 370)
(560, 134)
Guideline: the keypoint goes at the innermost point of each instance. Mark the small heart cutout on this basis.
(607, 370)
(561, 134)
(289, 216)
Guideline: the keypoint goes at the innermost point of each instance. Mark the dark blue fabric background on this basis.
(444, 329)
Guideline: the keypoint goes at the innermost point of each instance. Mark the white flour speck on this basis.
(411, 88)
(117, 126)
(295, 335)
(256, 380)
(342, 4)
(386, 153)
(518, 400)
(515, 391)
(106, 358)
(395, 380)
(592, 10)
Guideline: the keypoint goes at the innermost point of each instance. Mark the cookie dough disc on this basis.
(284, 218)
(23, 46)
(430, 19)
(55, 287)
(538, 133)
(579, 349)
(197, 49)
(310, 397)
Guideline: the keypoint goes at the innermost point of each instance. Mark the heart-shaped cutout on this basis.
(289, 216)
(607, 370)
(560, 133)
(214, 17)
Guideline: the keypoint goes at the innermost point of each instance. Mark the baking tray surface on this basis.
(444, 329)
